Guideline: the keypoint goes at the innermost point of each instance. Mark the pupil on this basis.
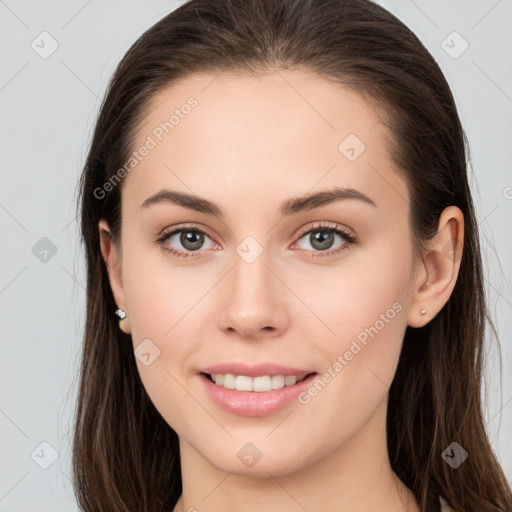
(191, 240)
(321, 239)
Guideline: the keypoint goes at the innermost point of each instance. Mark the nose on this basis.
(254, 300)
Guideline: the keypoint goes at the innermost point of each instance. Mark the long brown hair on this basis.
(125, 455)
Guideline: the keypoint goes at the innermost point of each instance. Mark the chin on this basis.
(259, 459)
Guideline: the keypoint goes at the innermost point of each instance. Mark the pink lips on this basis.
(252, 403)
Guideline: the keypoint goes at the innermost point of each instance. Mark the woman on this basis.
(285, 302)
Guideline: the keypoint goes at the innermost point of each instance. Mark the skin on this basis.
(250, 143)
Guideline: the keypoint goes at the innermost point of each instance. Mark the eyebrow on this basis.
(288, 207)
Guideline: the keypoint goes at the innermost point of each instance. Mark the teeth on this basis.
(290, 380)
(258, 384)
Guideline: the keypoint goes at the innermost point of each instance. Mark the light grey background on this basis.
(49, 106)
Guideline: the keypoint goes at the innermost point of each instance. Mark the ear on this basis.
(112, 257)
(438, 269)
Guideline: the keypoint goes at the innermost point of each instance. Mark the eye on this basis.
(322, 238)
(191, 240)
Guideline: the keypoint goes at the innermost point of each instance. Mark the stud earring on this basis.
(120, 313)
(423, 311)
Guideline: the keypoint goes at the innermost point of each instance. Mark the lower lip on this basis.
(255, 403)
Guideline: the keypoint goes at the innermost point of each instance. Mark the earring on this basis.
(423, 311)
(120, 313)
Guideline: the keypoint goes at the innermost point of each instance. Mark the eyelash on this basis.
(350, 239)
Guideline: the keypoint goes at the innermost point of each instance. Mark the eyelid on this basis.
(324, 225)
(165, 233)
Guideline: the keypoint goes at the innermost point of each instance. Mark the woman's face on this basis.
(265, 285)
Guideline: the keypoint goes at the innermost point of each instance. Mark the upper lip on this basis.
(254, 370)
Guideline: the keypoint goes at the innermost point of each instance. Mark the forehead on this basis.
(287, 129)
(284, 102)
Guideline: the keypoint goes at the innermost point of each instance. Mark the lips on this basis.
(252, 403)
(259, 400)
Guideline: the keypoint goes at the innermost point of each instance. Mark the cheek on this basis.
(161, 296)
(364, 303)
(164, 319)
(368, 288)
(360, 361)
(163, 304)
